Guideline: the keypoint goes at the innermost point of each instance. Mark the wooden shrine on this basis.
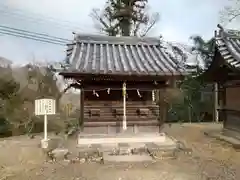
(225, 72)
(117, 77)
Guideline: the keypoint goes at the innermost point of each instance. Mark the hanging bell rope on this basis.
(124, 89)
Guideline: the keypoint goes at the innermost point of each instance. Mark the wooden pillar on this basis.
(124, 107)
(216, 107)
(162, 108)
(81, 118)
(165, 105)
(159, 109)
(222, 102)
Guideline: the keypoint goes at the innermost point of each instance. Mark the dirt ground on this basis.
(21, 159)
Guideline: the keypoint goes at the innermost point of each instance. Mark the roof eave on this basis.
(122, 77)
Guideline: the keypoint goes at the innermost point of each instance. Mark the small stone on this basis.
(82, 160)
(65, 162)
(98, 159)
(60, 153)
(76, 160)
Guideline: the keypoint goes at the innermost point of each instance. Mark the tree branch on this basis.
(153, 22)
(234, 16)
(98, 17)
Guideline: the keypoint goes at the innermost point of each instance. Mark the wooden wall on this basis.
(230, 112)
(233, 98)
(104, 113)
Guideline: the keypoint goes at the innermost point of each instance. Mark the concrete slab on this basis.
(121, 138)
(219, 136)
(98, 147)
(203, 124)
(137, 145)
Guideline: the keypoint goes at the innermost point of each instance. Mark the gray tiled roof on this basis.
(228, 44)
(94, 54)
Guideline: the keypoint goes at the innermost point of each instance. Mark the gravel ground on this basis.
(21, 159)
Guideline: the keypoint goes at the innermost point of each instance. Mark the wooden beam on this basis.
(95, 85)
(232, 83)
(119, 77)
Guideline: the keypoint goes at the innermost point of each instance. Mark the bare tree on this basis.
(230, 12)
(104, 22)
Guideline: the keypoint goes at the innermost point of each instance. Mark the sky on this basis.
(179, 20)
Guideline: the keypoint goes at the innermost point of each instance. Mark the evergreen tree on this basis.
(193, 107)
(125, 18)
(204, 48)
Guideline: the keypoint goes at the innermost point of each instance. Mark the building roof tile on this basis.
(228, 45)
(95, 54)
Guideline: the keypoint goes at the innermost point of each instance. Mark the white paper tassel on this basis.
(108, 91)
(139, 93)
(153, 96)
(95, 93)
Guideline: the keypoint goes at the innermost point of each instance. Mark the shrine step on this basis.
(129, 123)
(113, 129)
(122, 139)
(106, 119)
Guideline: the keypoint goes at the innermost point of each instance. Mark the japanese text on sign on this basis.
(45, 106)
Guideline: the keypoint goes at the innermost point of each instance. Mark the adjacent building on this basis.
(225, 71)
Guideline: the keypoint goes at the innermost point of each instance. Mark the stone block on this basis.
(60, 154)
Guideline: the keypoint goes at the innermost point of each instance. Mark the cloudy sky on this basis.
(179, 20)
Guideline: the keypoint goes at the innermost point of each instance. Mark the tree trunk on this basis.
(125, 26)
(59, 96)
(190, 114)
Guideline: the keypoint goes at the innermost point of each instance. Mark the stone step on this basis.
(140, 122)
(154, 146)
(220, 136)
(124, 148)
(112, 140)
(118, 120)
(231, 133)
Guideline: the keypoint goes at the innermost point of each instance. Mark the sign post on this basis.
(45, 107)
(45, 127)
